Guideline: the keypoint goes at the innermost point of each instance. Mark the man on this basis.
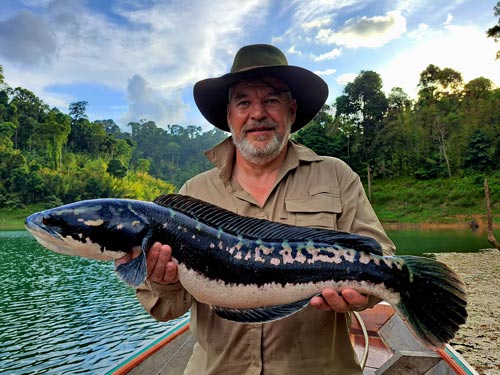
(260, 173)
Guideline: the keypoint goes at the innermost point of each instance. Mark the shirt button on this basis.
(262, 214)
(256, 364)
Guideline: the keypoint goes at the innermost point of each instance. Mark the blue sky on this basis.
(139, 59)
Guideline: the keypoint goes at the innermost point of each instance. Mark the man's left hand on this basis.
(331, 300)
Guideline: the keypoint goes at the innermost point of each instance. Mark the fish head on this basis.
(103, 229)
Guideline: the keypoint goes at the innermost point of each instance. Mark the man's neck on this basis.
(258, 179)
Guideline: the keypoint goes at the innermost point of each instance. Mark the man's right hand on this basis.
(161, 268)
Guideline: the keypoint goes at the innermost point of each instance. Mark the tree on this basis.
(396, 140)
(436, 83)
(30, 111)
(8, 111)
(397, 102)
(315, 135)
(437, 111)
(7, 130)
(116, 168)
(77, 110)
(364, 104)
(480, 152)
(478, 88)
(142, 165)
(110, 127)
(54, 131)
(494, 31)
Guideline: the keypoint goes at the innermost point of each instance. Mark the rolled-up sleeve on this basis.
(164, 302)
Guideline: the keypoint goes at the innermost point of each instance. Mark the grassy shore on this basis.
(454, 200)
(443, 200)
(13, 219)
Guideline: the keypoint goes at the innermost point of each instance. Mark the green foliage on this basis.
(316, 135)
(116, 168)
(49, 158)
(480, 152)
(494, 31)
(439, 200)
(428, 158)
(453, 128)
(363, 106)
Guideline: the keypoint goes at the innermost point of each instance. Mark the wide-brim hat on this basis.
(308, 89)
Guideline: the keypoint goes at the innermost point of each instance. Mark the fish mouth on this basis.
(50, 235)
(43, 233)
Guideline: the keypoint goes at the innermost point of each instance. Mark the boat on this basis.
(381, 339)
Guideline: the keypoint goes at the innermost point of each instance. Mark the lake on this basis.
(419, 241)
(69, 315)
(64, 315)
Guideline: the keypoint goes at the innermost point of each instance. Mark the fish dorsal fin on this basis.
(264, 230)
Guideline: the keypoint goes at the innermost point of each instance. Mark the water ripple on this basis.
(64, 315)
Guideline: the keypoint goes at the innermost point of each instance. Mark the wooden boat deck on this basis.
(392, 350)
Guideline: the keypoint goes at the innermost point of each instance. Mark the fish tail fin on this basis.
(435, 303)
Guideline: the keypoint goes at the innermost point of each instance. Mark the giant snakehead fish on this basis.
(254, 270)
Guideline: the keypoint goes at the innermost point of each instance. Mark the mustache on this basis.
(256, 125)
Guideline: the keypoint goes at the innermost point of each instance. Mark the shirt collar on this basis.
(222, 156)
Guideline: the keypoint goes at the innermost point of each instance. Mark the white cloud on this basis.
(313, 12)
(445, 49)
(423, 30)
(344, 79)
(449, 18)
(293, 51)
(306, 17)
(327, 72)
(147, 103)
(366, 31)
(170, 44)
(27, 39)
(333, 54)
(316, 23)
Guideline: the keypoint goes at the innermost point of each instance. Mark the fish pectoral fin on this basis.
(134, 272)
(260, 314)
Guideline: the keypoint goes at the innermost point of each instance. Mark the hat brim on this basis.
(308, 89)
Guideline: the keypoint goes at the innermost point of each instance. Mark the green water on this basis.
(417, 242)
(64, 315)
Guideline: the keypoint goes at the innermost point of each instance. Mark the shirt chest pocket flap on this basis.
(320, 209)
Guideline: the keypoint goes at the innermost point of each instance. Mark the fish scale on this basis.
(253, 270)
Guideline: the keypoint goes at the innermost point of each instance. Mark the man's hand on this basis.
(331, 300)
(161, 268)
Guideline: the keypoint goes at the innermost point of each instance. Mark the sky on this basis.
(135, 60)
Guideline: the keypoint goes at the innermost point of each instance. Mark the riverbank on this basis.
(477, 341)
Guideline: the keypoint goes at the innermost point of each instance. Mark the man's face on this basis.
(260, 114)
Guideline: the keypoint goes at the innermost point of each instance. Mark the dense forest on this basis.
(51, 157)
(451, 129)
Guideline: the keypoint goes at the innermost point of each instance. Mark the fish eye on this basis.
(47, 220)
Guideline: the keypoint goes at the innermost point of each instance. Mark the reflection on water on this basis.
(64, 315)
(418, 241)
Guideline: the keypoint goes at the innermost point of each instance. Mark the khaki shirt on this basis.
(313, 191)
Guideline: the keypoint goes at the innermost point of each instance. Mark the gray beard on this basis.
(260, 155)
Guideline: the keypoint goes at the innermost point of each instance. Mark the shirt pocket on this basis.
(319, 210)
